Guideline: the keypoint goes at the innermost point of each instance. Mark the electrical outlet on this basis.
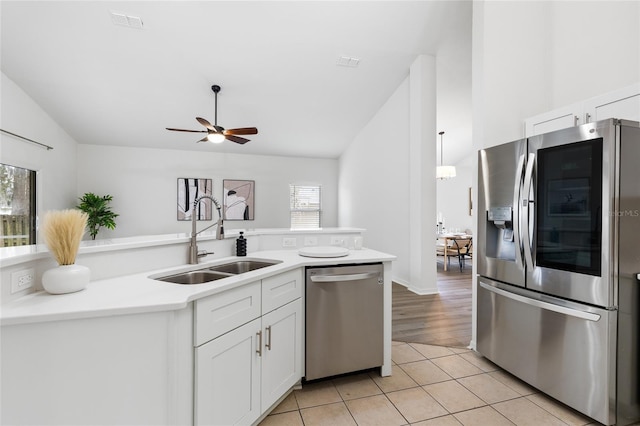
(22, 280)
(310, 241)
(289, 242)
(337, 241)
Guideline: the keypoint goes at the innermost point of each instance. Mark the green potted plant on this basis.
(98, 212)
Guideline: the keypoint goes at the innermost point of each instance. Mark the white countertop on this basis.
(14, 255)
(138, 293)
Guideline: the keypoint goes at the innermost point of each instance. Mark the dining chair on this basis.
(451, 249)
(464, 249)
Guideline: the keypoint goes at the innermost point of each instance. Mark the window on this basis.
(305, 205)
(17, 206)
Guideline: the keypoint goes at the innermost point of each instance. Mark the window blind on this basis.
(305, 206)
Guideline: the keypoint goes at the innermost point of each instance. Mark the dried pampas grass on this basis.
(62, 231)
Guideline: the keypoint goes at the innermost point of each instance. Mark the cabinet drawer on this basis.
(220, 313)
(281, 289)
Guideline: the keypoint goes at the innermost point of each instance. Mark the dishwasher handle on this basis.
(342, 278)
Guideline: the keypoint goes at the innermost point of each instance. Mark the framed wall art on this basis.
(239, 199)
(190, 189)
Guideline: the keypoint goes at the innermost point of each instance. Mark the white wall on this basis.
(453, 197)
(595, 49)
(387, 179)
(511, 68)
(374, 181)
(531, 57)
(143, 183)
(56, 168)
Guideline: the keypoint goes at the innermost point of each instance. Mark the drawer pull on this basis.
(268, 344)
(259, 350)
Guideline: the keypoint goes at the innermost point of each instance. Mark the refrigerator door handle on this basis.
(527, 198)
(542, 305)
(517, 195)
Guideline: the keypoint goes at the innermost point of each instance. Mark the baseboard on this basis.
(401, 282)
(422, 292)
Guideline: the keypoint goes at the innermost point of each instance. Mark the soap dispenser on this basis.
(241, 245)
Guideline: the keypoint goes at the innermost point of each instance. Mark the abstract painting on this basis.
(239, 199)
(190, 189)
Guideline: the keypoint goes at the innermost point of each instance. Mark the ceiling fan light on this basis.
(445, 172)
(215, 137)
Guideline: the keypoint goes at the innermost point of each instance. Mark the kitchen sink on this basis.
(212, 273)
(241, 266)
(194, 277)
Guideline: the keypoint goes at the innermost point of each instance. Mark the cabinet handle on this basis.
(259, 350)
(268, 344)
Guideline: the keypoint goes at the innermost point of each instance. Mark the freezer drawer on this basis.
(344, 320)
(565, 349)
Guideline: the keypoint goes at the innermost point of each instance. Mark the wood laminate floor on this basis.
(442, 319)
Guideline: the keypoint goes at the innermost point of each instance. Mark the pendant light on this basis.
(442, 171)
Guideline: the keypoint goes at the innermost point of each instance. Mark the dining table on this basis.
(448, 242)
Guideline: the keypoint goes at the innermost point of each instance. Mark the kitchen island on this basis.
(129, 349)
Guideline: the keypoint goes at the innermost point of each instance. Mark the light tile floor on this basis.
(429, 385)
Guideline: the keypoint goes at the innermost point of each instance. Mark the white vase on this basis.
(66, 279)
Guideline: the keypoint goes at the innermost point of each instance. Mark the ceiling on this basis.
(108, 84)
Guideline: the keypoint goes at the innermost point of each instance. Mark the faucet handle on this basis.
(203, 253)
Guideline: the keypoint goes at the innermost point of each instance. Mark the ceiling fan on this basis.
(218, 134)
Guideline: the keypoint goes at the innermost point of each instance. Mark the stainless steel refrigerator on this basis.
(558, 251)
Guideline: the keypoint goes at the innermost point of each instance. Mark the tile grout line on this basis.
(486, 370)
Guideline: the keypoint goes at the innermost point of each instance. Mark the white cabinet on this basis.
(218, 314)
(242, 371)
(282, 351)
(557, 119)
(227, 378)
(281, 289)
(623, 103)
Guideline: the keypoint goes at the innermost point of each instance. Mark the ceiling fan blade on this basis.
(206, 123)
(242, 131)
(184, 130)
(236, 139)
(205, 139)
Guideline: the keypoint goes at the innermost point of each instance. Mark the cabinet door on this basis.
(227, 378)
(560, 118)
(623, 103)
(282, 351)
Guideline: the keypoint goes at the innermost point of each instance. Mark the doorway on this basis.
(442, 319)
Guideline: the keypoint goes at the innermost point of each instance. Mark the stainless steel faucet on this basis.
(194, 254)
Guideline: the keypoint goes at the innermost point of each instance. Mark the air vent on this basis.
(126, 20)
(347, 61)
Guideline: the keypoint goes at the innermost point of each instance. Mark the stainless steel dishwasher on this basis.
(344, 319)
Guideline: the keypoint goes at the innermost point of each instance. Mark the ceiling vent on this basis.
(126, 20)
(347, 61)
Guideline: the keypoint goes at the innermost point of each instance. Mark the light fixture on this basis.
(442, 171)
(215, 137)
